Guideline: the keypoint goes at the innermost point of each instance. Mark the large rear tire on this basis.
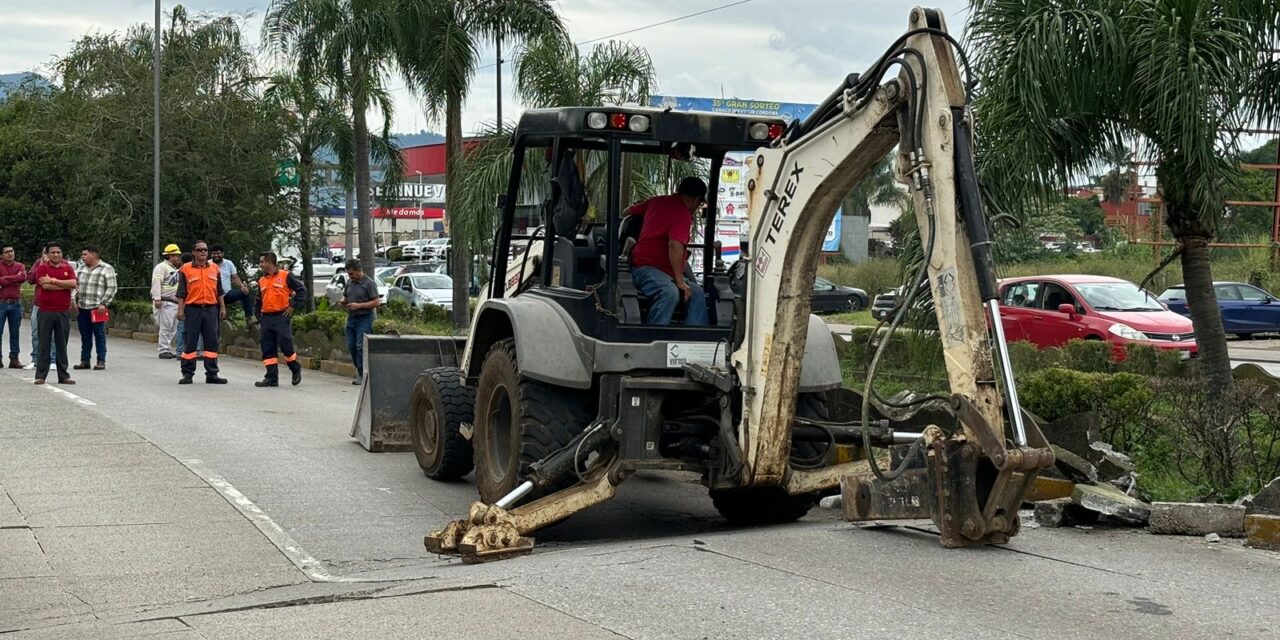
(773, 505)
(439, 406)
(519, 421)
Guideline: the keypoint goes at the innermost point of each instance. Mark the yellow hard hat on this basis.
(171, 249)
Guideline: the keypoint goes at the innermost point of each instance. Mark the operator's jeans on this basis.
(35, 335)
(664, 296)
(357, 327)
(246, 303)
(11, 314)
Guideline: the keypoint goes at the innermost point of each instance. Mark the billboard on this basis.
(731, 199)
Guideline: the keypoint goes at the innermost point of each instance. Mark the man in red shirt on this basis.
(658, 259)
(12, 275)
(54, 281)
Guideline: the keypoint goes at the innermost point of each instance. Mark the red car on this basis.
(1048, 311)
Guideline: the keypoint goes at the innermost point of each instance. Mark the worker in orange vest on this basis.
(200, 307)
(277, 290)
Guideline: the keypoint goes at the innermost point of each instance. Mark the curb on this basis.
(309, 363)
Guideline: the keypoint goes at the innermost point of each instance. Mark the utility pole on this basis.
(498, 42)
(155, 151)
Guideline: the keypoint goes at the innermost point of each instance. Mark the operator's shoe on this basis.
(266, 383)
(31, 366)
(168, 356)
(297, 378)
(359, 380)
(100, 366)
(39, 380)
(82, 365)
(66, 381)
(14, 364)
(185, 380)
(214, 380)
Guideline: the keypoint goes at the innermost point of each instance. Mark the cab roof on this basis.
(707, 131)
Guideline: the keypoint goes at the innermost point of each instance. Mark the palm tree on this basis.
(446, 42)
(1063, 82)
(315, 118)
(552, 72)
(351, 45)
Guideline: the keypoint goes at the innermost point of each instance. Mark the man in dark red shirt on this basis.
(54, 281)
(658, 259)
(12, 275)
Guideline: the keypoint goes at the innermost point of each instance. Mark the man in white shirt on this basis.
(164, 295)
(230, 276)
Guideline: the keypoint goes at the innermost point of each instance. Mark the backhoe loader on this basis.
(564, 391)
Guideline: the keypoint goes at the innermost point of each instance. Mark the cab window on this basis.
(1226, 292)
(1251, 294)
(1056, 295)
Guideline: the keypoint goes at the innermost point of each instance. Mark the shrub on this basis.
(1093, 356)
(1141, 359)
(875, 276)
(330, 323)
(137, 307)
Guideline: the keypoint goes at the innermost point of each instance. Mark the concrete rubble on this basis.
(1196, 519)
(1110, 501)
(1262, 531)
(1063, 512)
(1267, 501)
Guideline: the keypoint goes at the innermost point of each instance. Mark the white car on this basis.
(420, 289)
(413, 249)
(436, 249)
(338, 285)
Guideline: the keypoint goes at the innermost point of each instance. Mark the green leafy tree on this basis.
(351, 45)
(220, 145)
(444, 49)
(1063, 82)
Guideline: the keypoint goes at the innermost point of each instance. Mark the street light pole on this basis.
(421, 204)
(155, 151)
(498, 42)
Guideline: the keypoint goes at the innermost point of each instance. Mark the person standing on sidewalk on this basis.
(359, 298)
(201, 306)
(235, 288)
(276, 292)
(12, 275)
(164, 295)
(35, 311)
(95, 291)
(55, 278)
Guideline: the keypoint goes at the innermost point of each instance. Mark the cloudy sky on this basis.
(780, 50)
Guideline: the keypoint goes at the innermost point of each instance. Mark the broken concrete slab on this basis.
(1267, 501)
(1197, 519)
(1110, 501)
(1262, 531)
(1074, 432)
(1072, 466)
(1062, 512)
(1111, 464)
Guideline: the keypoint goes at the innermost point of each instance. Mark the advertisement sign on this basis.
(731, 197)
(411, 213)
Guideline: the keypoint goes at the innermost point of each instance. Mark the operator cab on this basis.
(584, 166)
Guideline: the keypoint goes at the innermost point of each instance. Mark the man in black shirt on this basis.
(359, 298)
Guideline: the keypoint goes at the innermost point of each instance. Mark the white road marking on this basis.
(71, 396)
(308, 564)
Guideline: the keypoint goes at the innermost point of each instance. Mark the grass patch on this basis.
(858, 318)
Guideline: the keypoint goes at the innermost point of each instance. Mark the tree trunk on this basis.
(1215, 362)
(459, 252)
(304, 218)
(363, 220)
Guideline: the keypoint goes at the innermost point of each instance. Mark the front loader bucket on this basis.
(391, 365)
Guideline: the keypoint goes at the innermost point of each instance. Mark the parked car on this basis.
(420, 267)
(338, 284)
(1246, 309)
(1049, 311)
(884, 304)
(829, 297)
(436, 249)
(420, 289)
(413, 250)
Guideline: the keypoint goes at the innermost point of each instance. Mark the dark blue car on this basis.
(1246, 309)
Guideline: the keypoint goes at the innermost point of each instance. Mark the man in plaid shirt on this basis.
(96, 288)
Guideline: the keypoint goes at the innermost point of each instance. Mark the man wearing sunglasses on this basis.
(201, 305)
(658, 259)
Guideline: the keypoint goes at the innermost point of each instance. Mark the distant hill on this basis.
(417, 139)
(10, 81)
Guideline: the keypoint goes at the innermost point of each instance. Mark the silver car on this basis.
(421, 289)
(338, 285)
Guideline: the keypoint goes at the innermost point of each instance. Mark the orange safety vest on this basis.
(275, 292)
(202, 282)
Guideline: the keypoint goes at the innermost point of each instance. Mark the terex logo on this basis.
(780, 214)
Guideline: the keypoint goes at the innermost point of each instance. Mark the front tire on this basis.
(773, 505)
(519, 421)
(438, 407)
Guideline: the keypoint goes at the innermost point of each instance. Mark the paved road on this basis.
(654, 563)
